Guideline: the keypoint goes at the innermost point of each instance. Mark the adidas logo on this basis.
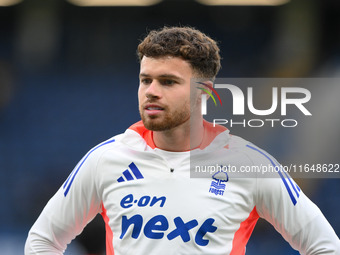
(136, 174)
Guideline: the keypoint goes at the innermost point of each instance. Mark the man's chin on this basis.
(155, 125)
(162, 124)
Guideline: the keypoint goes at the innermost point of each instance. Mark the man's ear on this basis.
(205, 87)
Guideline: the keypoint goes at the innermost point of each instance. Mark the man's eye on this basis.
(146, 81)
(168, 82)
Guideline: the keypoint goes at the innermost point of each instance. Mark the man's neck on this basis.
(181, 138)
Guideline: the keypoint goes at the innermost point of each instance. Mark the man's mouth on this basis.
(153, 109)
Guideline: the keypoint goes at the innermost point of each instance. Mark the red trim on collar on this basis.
(144, 132)
(210, 132)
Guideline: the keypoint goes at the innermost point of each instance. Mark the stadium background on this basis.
(69, 78)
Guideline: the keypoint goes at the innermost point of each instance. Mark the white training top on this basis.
(198, 204)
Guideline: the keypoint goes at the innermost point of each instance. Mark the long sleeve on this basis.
(295, 217)
(67, 213)
(281, 202)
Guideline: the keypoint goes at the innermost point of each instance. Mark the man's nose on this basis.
(153, 90)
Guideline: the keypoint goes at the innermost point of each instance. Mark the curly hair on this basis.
(201, 52)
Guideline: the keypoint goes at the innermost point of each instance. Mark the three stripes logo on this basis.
(68, 183)
(130, 174)
(292, 188)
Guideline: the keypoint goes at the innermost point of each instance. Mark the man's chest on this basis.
(148, 201)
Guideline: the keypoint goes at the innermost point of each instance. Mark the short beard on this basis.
(170, 121)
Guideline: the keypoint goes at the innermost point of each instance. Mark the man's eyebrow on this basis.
(171, 76)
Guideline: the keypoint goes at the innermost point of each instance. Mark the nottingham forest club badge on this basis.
(218, 185)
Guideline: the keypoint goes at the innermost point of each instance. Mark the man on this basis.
(140, 180)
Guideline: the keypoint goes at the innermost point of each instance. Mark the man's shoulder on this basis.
(254, 153)
(107, 145)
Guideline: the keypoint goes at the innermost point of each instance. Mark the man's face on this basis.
(164, 92)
